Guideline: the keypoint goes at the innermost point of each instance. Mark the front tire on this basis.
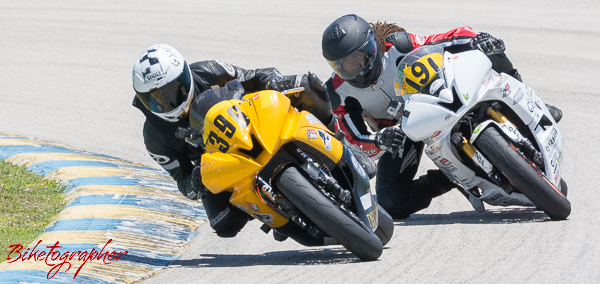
(327, 216)
(523, 174)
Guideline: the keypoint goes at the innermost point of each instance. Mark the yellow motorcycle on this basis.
(286, 169)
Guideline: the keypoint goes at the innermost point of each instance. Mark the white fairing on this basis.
(471, 80)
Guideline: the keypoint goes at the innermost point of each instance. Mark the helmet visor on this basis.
(359, 62)
(169, 97)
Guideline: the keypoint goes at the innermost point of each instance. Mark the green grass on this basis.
(27, 205)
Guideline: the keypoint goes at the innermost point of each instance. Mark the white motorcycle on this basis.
(489, 133)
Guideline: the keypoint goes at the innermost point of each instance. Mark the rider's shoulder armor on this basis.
(401, 41)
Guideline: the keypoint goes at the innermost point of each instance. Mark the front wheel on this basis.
(327, 216)
(521, 172)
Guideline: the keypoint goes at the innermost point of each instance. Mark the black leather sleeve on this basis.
(177, 163)
(400, 40)
(215, 72)
(334, 97)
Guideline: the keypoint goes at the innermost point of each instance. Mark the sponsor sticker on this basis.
(445, 162)
(312, 134)
(312, 119)
(253, 206)
(435, 134)
(518, 96)
(506, 91)
(448, 116)
(552, 140)
(466, 96)
(477, 129)
(366, 201)
(265, 218)
(432, 149)
(326, 139)
(486, 81)
(255, 96)
(500, 80)
(435, 86)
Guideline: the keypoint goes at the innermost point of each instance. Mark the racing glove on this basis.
(487, 44)
(197, 190)
(389, 137)
(313, 99)
(268, 77)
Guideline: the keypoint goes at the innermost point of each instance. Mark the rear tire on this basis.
(327, 216)
(523, 175)
(385, 228)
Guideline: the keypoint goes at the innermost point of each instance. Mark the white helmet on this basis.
(163, 82)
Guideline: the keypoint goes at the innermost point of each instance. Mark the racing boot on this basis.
(555, 112)
(440, 184)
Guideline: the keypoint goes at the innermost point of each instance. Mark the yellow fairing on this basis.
(232, 161)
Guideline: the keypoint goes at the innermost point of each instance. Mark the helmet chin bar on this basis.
(182, 110)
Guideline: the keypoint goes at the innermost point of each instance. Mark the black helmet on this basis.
(350, 46)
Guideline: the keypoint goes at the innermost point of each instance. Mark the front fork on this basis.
(524, 144)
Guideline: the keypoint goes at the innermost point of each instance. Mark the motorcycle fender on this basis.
(365, 200)
(222, 172)
(507, 128)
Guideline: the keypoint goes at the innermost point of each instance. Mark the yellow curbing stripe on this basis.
(121, 241)
(26, 142)
(29, 159)
(129, 213)
(86, 190)
(64, 175)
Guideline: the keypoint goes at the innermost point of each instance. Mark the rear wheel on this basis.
(523, 174)
(327, 216)
(385, 228)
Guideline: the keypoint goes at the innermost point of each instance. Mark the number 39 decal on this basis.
(227, 128)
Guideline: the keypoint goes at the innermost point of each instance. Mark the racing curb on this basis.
(139, 208)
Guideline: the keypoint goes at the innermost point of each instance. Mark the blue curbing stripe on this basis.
(138, 227)
(136, 256)
(119, 180)
(167, 206)
(36, 276)
(8, 151)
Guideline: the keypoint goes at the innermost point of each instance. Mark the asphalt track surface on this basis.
(66, 77)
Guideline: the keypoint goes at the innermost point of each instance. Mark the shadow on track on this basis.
(490, 216)
(320, 256)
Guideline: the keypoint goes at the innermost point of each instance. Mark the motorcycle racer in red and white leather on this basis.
(364, 58)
